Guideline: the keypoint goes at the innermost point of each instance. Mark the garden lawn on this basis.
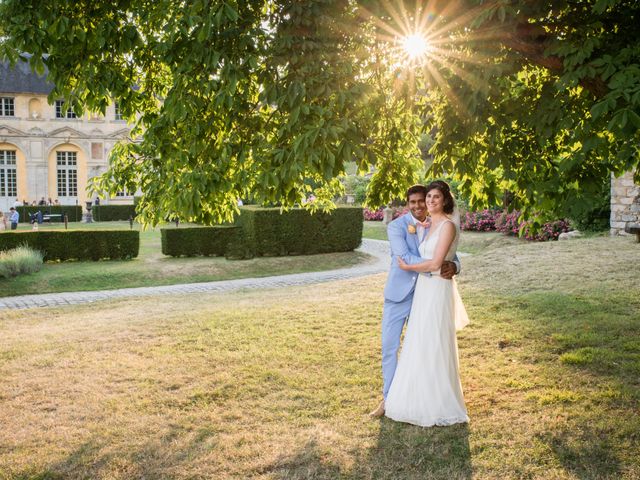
(151, 267)
(276, 384)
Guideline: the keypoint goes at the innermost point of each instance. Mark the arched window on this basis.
(67, 169)
(8, 177)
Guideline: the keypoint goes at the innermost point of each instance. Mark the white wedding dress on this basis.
(426, 387)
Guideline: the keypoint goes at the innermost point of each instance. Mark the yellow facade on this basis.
(81, 170)
(21, 169)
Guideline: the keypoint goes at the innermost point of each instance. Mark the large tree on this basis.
(262, 98)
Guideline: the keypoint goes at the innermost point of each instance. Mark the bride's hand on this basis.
(403, 265)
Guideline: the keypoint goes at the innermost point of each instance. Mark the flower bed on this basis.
(509, 224)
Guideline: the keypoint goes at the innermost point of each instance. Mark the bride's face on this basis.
(435, 201)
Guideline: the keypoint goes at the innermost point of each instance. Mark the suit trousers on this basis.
(394, 316)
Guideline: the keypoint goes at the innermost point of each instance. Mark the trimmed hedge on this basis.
(76, 244)
(74, 212)
(192, 241)
(110, 213)
(270, 232)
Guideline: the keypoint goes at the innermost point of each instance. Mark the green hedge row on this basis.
(191, 241)
(270, 232)
(110, 213)
(74, 212)
(76, 244)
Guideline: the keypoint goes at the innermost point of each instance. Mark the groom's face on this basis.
(417, 206)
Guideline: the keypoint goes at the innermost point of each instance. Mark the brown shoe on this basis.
(378, 412)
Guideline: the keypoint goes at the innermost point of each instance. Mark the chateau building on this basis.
(45, 150)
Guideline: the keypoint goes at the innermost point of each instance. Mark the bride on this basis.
(426, 387)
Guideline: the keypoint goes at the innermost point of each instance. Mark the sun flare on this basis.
(415, 46)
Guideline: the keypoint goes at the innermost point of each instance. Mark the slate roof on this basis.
(21, 79)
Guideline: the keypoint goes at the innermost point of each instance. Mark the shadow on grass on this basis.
(596, 334)
(585, 453)
(157, 457)
(401, 452)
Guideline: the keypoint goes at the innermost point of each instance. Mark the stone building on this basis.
(625, 203)
(45, 150)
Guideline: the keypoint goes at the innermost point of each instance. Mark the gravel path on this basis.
(379, 249)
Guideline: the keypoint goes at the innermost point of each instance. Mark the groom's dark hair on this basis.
(417, 188)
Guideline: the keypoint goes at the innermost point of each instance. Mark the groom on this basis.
(405, 235)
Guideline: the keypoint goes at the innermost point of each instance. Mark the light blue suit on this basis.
(398, 293)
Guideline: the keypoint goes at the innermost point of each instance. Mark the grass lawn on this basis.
(153, 268)
(276, 384)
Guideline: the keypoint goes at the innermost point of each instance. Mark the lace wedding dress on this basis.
(426, 387)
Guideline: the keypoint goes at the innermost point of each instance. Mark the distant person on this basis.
(50, 202)
(42, 202)
(240, 202)
(17, 203)
(3, 222)
(56, 202)
(14, 218)
(97, 201)
(34, 204)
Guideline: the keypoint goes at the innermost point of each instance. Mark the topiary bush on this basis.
(74, 212)
(270, 232)
(76, 244)
(110, 213)
(193, 241)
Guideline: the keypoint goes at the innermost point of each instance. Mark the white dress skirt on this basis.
(426, 388)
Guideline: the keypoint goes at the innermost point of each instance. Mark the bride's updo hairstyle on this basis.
(443, 187)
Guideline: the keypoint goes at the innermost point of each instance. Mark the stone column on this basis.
(625, 203)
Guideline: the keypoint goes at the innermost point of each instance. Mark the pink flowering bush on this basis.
(484, 221)
(373, 215)
(509, 224)
(378, 215)
(549, 231)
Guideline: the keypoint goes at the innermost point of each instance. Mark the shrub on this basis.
(76, 244)
(595, 216)
(192, 241)
(270, 232)
(74, 212)
(19, 260)
(509, 224)
(373, 215)
(110, 213)
(484, 221)
(549, 231)
(378, 215)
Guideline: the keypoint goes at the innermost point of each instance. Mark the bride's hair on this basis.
(443, 187)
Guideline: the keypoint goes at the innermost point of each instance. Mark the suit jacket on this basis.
(401, 283)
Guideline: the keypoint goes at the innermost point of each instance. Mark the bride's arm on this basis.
(447, 235)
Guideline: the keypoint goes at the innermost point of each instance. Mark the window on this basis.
(67, 174)
(8, 179)
(61, 113)
(7, 107)
(118, 115)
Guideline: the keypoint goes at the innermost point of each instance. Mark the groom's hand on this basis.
(448, 270)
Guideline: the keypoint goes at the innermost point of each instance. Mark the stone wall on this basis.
(625, 203)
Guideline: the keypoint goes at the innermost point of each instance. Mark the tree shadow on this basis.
(583, 456)
(401, 452)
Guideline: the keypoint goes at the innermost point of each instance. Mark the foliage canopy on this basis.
(263, 98)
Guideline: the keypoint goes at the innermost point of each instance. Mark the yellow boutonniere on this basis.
(411, 229)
